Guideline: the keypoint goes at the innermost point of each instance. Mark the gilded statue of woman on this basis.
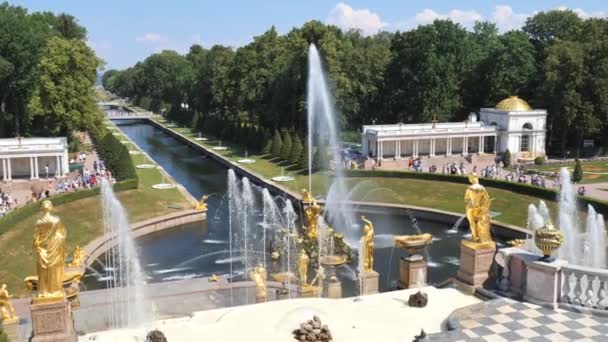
(368, 245)
(7, 311)
(303, 260)
(312, 213)
(50, 253)
(477, 202)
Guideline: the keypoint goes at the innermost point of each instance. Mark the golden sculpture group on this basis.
(477, 202)
(202, 204)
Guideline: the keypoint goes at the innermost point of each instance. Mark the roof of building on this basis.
(513, 104)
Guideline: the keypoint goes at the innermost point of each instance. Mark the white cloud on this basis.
(506, 19)
(151, 38)
(346, 17)
(583, 14)
(466, 18)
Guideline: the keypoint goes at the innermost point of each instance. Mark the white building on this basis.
(29, 157)
(512, 124)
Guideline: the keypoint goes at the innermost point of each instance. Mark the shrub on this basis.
(277, 144)
(3, 337)
(539, 160)
(577, 175)
(287, 145)
(320, 160)
(506, 158)
(195, 124)
(303, 160)
(296, 150)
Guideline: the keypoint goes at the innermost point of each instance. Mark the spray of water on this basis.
(126, 280)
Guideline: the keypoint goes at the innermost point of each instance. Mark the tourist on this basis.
(582, 191)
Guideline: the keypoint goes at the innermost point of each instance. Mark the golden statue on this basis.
(319, 277)
(303, 260)
(7, 311)
(202, 204)
(78, 256)
(49, 252)
(477, 202)
(368, 245)
(259, 276)
(312, 213)
(306, 196)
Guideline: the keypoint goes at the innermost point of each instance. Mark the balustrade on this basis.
(584, 286)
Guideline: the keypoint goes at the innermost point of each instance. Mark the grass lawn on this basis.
(513, 207)
(83, 220)
(593, 172)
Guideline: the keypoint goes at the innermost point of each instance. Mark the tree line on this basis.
(557, 61)
(47, 74)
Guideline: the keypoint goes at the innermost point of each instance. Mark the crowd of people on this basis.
(7, 203)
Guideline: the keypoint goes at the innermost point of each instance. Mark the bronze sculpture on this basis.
(50, 252)
(477, 202)
(368, 245)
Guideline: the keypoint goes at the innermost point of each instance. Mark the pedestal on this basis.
(412, 272)
(475, 263)
(309, 291)
(52, 322)
(333, 288)
(369, 282)
(543, 282)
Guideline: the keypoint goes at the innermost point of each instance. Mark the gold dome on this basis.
(513, 104)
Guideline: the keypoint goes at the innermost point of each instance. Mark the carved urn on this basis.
(548, 239)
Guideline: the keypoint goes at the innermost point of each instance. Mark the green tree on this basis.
(320, 159)
(277, 144)
(296, 150)
(577, 175)
(287, 145)
(63, 100)
(303, 160)
(506, 158)
(195, 124)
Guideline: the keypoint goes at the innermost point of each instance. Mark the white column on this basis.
(415, 154)
(10, 171)
(448, 148)
(381, 150)
(397, 153)
(58, 167)
(36, 168)
(377, 149)
(32, 176)
(465, 146)
(480, 149)
(4, 169)
(432, 148)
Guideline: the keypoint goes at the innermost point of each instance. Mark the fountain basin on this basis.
(116, 133)
(413, 243)
(282, 179)
(219, 148)
(163, 186)
(134, 152)
(145, 166)
(246, 161)
(125, 141)
(201, 139)
(333, 260)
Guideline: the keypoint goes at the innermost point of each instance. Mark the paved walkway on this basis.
(508, 320)
(597, 190)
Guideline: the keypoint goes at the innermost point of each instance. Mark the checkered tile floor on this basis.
(507, 320)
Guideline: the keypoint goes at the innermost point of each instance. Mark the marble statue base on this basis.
(52, 322)
(369, 282)
(475, 263)
(543, 283)
(309, 291)
(412, 272)
(333, 289)
(260, 299)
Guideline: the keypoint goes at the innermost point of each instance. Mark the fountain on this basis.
(219, 147)
(585, 248)
(200, 137)
(322, 127)
(282, 177)
(162, 185)
(246, 160)
(126, 280)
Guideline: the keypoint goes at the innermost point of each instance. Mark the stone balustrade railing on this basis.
(584, 286)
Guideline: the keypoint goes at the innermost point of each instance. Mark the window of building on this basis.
(524, 144)
(527, 126)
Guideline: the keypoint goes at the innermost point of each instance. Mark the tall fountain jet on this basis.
(127, 282)
(323, 134)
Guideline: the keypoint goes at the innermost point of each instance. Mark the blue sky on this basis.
(123, 32)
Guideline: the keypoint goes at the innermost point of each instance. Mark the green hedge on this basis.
(520, 188)
(12, 218)
(115, 156)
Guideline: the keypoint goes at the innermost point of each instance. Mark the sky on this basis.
(127, 31)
